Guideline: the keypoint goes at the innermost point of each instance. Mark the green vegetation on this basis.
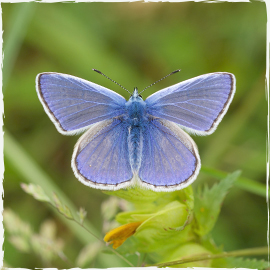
(134, 44)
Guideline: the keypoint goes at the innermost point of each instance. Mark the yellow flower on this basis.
(120, 234)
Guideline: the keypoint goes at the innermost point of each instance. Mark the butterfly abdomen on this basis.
(135, 144)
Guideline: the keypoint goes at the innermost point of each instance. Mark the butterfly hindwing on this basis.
(100, 158)
(197, 104)
(73, 104)
(170, 158)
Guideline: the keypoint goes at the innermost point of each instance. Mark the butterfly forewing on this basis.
(197, 104)
(170, 158)
(73, 103)
(100, 157)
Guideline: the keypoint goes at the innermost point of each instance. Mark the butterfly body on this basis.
(136, 142)
(134, 121)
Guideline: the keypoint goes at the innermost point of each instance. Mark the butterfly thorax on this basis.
(135, 107)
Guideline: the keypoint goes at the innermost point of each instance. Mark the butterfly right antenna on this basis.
(110, 79)
(160, 79)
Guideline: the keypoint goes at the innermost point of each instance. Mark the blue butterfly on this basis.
(136, 142)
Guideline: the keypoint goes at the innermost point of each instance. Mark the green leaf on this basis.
(171, 216)
(36, 191)
(133, 216)
(186, 196)
(187, 251)
(164, 219)
(136, 195)
(144, 199)
(163, 229)
(208, 203)
(247, 263)
(244, 183)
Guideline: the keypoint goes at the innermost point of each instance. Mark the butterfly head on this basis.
(135, 95)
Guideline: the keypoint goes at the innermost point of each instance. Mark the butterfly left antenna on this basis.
(161, 79)
(110, 79)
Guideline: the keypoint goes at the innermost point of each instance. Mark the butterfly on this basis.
(136, 142)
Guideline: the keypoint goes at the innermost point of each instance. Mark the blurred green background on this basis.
(134, 44)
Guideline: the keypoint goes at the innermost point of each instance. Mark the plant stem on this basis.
(114, 251)
(203, 257)
(85, 228)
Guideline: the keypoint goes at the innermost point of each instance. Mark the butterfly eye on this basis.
(140, 96)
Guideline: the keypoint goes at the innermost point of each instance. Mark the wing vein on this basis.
(108, 153)
(162, 113)
(102, 133)
(190, 110)
(163, 154)
(84, 101)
